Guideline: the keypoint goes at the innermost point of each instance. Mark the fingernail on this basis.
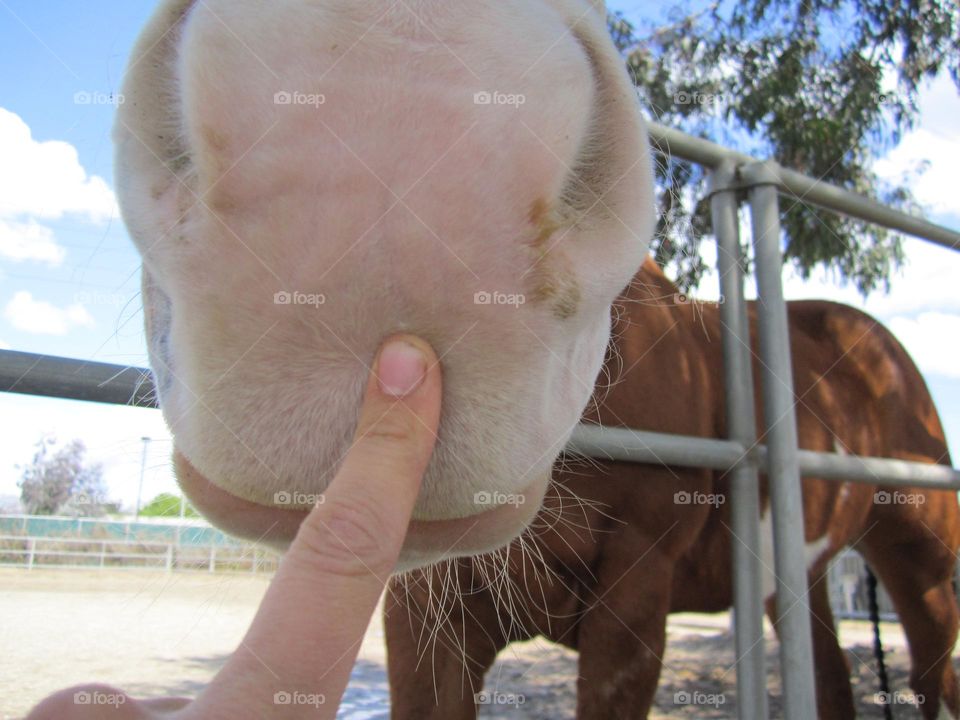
(401, 369)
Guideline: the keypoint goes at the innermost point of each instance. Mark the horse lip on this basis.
(474, 534)
(271, 525)
(427, 541)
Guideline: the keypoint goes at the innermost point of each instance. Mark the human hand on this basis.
(305, 636)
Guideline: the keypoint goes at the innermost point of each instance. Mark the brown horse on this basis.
(617, 546)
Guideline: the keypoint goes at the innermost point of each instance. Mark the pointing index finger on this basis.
(307, 632)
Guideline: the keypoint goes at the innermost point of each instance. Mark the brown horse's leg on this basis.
(621, 639)
(434, 673)
(832, 672)
(918, 579)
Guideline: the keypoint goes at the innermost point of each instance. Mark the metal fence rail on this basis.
(70, 379)
(800, 187)
(652, 447)
(734, 179)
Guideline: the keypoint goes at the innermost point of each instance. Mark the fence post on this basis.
(31, 549)
(103, 552)
(213, 559)
(786, 498)
(169, 558)
(741, 427)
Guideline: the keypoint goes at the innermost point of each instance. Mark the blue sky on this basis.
(69, 275)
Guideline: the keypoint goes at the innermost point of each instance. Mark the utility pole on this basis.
(143, 467)
(183, 509)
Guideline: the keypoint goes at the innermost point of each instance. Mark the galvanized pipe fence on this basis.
(734, 178)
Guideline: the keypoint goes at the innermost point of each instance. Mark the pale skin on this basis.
(306, 634)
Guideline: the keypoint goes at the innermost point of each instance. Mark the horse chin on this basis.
(427, 541)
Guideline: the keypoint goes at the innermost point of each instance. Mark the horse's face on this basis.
(305, 178)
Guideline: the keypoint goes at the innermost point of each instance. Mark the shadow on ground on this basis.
(367, 696)
(538, 682)
(697, 681)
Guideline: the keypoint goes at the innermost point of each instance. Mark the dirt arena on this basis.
(154, 633)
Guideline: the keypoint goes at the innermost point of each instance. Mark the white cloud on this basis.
(933, 341)
(939, 104)
(935, 140)
(4, 345)
(926, 282)
(936, 187)
(29, 241)
(45, 179)
(43, 318)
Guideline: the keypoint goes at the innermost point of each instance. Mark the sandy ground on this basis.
(154, 633)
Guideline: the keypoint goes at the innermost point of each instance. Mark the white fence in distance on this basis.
(34, 552)
(846, 577)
